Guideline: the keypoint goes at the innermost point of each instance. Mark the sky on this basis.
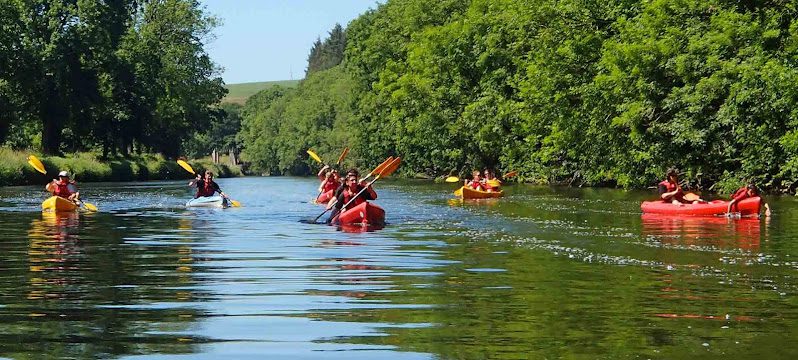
(266, 40)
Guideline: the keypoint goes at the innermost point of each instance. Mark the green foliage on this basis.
(221, 136)
(279, 125)
(110, 75)
(575, 92)
(88, 167)
(325, 55)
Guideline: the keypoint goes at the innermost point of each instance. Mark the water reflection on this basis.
(719, 232)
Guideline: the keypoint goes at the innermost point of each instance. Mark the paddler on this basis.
(206, 186)
(748, 191)
(351, 187)
(670, 191)
(477, 183)
(64, 187)
(330, 180)
(491, 180)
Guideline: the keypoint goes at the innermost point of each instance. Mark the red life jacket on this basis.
(348, 196)
(62, 189)
(740, 194)
(668, 185)
(206, 189)
(476, 185)
(329, 185)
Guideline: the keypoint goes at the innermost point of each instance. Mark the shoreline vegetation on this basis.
(89, 167)
(606, 94)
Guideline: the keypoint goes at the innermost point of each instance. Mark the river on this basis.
(542, 273)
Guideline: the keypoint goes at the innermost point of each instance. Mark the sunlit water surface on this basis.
(541, 273)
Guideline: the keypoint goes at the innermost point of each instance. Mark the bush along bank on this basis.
(87, 167)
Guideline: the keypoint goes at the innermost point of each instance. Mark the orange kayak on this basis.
(469, 193)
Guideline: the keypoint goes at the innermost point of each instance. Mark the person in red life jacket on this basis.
(64, 187)
(743, 193)
(330, 180)
(206, 186)
(491, 180)
(670, 191)
(477, 183)
(351, 187)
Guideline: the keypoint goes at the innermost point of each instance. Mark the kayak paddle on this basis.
(39, 166)
(692, 197)
(342, 157)
(186, 166)
(452, 179)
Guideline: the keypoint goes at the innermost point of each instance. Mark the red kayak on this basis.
(324, 197)
(364, 214)
(746, 207)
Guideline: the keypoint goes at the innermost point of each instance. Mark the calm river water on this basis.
(542, 273)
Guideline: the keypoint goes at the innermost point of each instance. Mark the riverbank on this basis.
(88, 167)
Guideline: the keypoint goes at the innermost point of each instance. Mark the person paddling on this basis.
(330, 180)
(745, 192)
(477, 182)
(64, 187)
(206, 186)
(347, 191)
(670, 191)
(491, 180)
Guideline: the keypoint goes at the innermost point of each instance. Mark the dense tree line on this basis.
(116, 75)
(580, 92)
(328, 53)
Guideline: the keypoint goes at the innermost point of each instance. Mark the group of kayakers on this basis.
(671, 192)
(339, 191)
(487, 182)
(350, 190)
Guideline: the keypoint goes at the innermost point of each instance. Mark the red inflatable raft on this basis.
(365, 214)
(746, 207)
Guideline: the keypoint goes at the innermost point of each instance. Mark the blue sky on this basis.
(264, 40)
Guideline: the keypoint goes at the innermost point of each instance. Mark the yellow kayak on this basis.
(469, 193)
(57, 203)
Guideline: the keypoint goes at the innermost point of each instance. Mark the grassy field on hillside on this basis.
(239, 93)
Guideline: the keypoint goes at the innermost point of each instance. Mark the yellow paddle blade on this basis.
(452, 179)
(511, 173)
(691, 197)
(494, 183)
(314, 156)
(459, 192)
(89, 206)
(37, 164)
(343, 156)
(235, 203)
(186, 166)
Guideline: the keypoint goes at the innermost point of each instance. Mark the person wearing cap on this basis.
(346, 192)
(63, 187)
(206, 186)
